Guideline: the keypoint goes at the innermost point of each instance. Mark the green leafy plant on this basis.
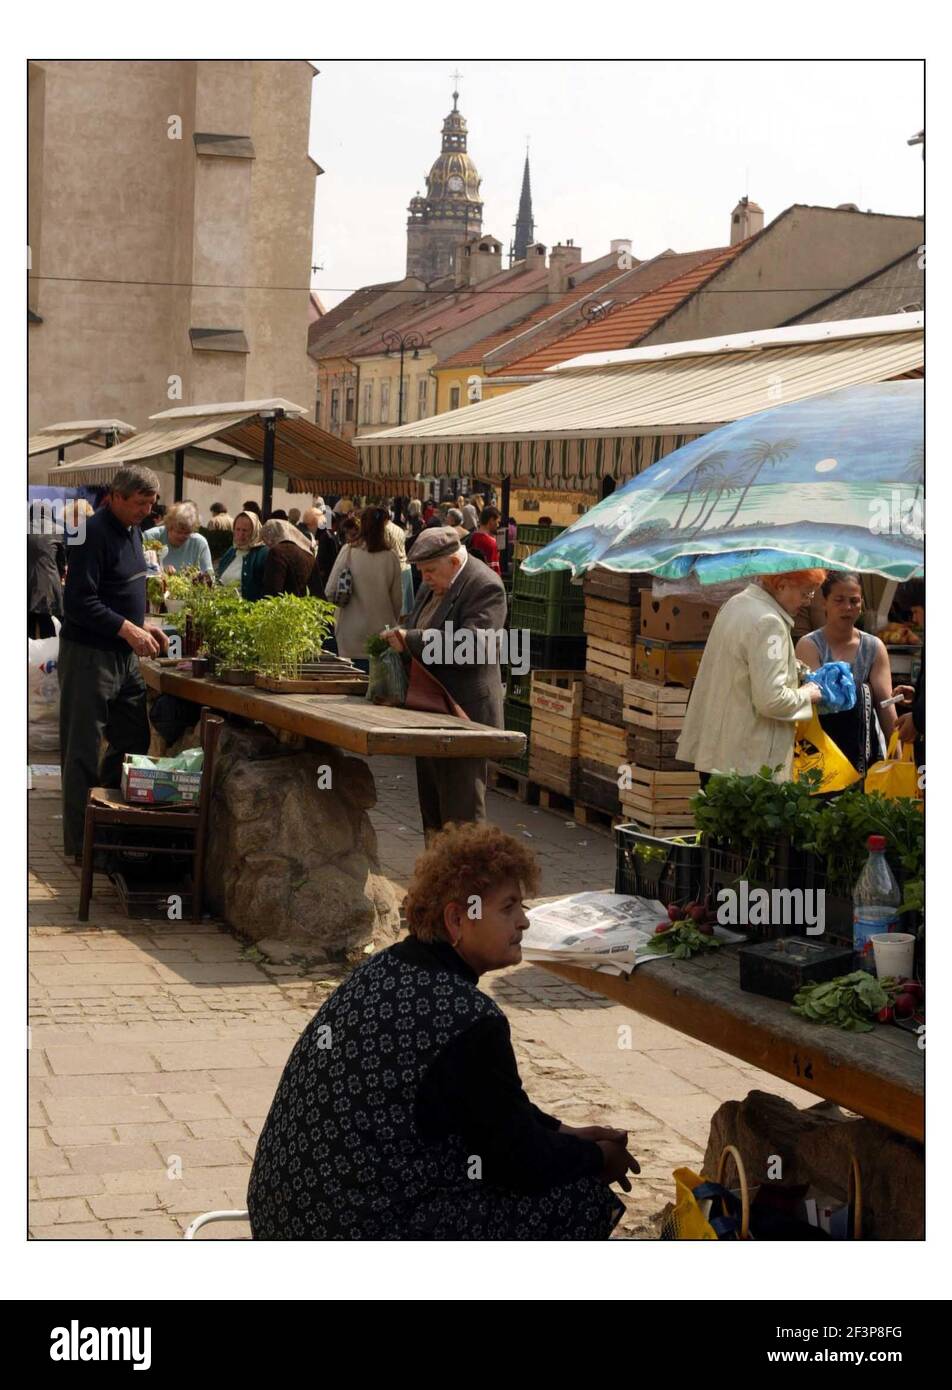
(155, 545)
(234, 640)
(178, 583)
(289, 631)
(751, 815)
(844, 825)
(212, 612)
(850, 1002)
(155, 590)
(376, 646)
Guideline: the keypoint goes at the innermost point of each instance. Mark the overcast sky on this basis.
(655, 151)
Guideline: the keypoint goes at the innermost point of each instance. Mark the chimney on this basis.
(746, 219)
(477, 260)
(621, 252)
(535, 256)
(562, 261)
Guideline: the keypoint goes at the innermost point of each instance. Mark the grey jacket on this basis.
(476, 601)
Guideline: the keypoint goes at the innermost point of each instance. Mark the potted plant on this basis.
(235, 646)
(178, 587)
(288, 632)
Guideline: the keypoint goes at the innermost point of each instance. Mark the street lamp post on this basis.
(401, 343)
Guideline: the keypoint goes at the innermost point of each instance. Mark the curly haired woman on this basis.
(401, 1115)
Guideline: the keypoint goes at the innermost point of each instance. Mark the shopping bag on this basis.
(706, 1210)
(428, 694)
(387, 679)
(813, 749)
(895, 776)
(43, 692)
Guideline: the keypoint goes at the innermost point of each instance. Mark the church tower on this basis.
(525, 227)
(451, 213)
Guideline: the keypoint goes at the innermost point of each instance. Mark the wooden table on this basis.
(345, 721)
(880, 1075)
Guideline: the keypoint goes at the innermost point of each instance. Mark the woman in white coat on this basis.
(376, 601)
(747, 697)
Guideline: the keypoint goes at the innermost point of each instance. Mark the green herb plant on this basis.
(288, 631)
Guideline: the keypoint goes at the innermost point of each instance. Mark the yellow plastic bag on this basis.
(813, 748)
(686, 1219)
(895, 776)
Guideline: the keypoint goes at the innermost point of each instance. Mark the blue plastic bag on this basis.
(836, 681)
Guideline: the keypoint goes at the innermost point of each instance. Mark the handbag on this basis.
(344, 588)
(429, 695)
(896, 775)
(814, 749)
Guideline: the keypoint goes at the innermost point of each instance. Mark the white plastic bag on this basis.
(43, 691)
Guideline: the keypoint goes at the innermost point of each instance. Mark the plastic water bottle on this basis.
(876, 900)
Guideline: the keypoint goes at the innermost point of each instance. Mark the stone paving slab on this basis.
(156, 1048)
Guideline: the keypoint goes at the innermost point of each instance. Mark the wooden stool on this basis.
(104, 806)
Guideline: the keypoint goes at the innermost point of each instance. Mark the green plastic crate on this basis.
(555, 586)
(538, 535)
(552, 617)
(518, 718)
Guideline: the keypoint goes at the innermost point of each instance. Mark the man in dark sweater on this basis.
(102, 694)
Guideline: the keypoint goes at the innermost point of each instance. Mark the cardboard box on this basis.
(667, 663)
(154, 786)
(675, 620)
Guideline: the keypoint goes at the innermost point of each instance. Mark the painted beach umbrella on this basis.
(832, 481)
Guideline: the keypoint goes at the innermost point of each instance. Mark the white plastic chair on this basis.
(208, 1217)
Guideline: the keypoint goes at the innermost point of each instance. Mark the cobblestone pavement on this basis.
(156, 1047)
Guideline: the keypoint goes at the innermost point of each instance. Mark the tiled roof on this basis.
(624, 326)
(461, 306)
(334, 318)
(890, 290)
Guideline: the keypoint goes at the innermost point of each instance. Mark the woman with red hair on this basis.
(747, 697)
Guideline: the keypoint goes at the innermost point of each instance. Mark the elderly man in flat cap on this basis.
(467, 595)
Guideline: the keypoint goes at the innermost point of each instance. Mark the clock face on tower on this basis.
(455, 184)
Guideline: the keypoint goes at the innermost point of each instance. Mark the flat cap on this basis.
(434, 543)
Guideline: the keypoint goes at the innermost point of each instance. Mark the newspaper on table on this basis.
(607, 932)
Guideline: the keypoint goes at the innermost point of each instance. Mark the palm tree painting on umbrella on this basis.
(760, 453)
(705, 476)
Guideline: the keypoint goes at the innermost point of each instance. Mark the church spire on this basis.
(525, 227)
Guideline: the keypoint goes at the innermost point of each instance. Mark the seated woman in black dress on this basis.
(401, 1115)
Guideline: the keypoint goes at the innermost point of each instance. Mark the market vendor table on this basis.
(880, 1075)
(345, 721)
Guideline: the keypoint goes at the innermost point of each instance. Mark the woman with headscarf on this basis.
(747, 698)
(858, 732)
(243, 562)
(291, 559)
(411, 1123)
(470, 516)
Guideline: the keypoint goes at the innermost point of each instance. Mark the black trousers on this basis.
(102, 695)
(450, 789)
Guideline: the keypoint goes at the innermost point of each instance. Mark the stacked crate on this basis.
(556, 698)
(548, 606)
(657, 798)
(611, 621)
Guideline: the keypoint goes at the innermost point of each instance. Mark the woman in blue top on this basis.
(243, 563)
(857, 732)
(184, 546)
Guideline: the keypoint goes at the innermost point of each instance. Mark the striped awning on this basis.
(617, 414)
(233, 438)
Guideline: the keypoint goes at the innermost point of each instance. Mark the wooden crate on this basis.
(615, 588)
(602, 699)
(655, 821)
(596, 788)
(557, 693)
(654, 706)
(656, 749)
(553, 770)
(676, 620)
(603, 743)
(667, 663)
(611, 622)
(612, 661)
(654, 784)
(554, 732)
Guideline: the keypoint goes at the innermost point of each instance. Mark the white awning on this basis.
(61, 436)
(589, 421)
(227, 441)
